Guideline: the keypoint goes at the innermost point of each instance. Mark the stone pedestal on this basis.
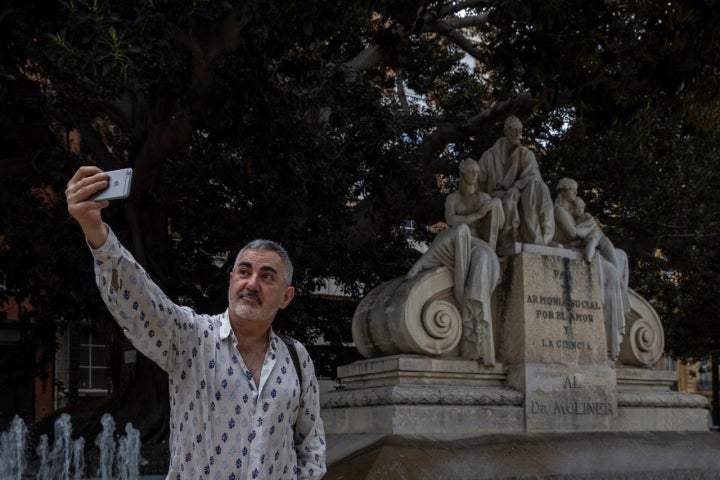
(553, 343)
(553, 373)
(412, 394)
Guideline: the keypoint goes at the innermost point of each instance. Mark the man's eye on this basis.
(269, 277)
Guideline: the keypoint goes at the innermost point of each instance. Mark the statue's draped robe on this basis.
(613, 282)
(476, 273)
(615, 298)
(532, 216)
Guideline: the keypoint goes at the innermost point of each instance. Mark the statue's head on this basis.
(566, 184)
(513, 129)
(469, 170)
(469, 164)
(579, 206)
(513, 121)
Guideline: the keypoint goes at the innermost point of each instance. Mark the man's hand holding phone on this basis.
(119, 182)
(88, 192)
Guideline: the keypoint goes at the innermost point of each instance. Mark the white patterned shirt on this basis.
(222, 427)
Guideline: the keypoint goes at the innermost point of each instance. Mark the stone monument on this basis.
(517, 320)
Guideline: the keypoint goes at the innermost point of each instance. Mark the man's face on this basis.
(257, 287)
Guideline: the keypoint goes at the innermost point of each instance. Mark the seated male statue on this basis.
(510, 173)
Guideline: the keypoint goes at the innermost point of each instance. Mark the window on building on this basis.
(93, 373)
(704, 381)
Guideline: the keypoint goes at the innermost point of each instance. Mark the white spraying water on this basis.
(12, 450)
(128, 453)
(106, 443)
(65, 460)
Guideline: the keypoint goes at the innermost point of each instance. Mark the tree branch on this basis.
(450, 133)
(169, 132)
(445, 28)
(460, 6)
(206, 43)
(164, 139)
(123, 110)
(368, 58)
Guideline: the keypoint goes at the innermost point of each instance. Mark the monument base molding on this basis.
(530, 456)
(412, 394)
(572, 390)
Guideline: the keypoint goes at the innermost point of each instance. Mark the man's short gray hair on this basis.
(269, 245)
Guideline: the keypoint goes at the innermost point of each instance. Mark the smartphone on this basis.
(118, 186)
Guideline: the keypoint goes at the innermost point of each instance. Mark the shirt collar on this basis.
(226, 331)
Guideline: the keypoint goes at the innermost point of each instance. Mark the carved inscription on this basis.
(573, 310)
(566, 344)
(570, 311)
(558, 357)
(569, 406)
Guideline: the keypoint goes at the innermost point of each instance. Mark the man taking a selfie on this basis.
(240, 409)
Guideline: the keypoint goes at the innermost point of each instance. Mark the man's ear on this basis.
(289, 294)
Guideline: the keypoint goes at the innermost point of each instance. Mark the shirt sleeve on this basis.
(148, 317)
(309, 429)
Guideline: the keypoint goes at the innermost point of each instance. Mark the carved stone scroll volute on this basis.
(416, 315)
(644, 339)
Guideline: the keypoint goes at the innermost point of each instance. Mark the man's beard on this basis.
(248, 311)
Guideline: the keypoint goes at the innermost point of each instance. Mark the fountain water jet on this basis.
(12, 450)
(128, 453)
(106, 443)
(66, 461)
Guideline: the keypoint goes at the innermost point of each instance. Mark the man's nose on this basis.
(253, 282)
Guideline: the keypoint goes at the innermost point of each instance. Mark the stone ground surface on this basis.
(577, 456)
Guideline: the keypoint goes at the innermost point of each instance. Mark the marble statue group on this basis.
(517, 318)
(502, 200)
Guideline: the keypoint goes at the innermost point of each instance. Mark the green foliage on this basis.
(692, 326)
(284, 143)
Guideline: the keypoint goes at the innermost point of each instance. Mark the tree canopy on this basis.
(326, 125)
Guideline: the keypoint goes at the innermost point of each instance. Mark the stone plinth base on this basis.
(569, 344)
(446, 420)
(412, 394)
(419, 370)
(576, 456)
(633, 379)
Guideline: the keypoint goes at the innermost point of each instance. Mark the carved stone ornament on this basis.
(644, 340)
(416, 315)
